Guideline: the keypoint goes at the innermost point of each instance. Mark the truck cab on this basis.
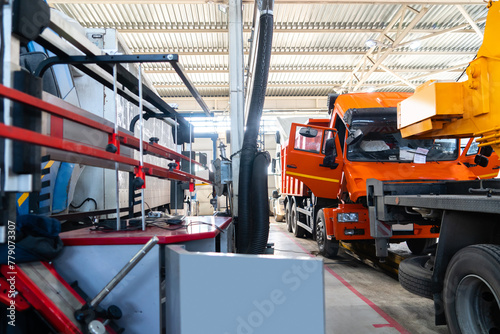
(331, 164)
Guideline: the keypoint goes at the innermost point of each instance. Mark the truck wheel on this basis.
(472, 290)
(297, 231)
(327, 248)
(415, 275)
(288, 217)
(419, 246)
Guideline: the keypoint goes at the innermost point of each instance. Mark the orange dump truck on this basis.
(326, 163)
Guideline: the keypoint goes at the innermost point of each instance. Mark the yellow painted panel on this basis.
(23, 198)
(433, 99)
(312, 177)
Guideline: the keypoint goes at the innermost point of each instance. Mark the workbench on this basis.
(93, 258)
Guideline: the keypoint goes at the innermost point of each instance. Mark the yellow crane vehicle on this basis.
(462, 276)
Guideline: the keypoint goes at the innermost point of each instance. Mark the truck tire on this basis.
(288, 217)
(297, 231)
(415, 276)
(472, 290)
(420, 246)
(327, 248)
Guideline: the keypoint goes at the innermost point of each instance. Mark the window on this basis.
(341, 129)
(382, 141)
(473, 149)
(307, 139)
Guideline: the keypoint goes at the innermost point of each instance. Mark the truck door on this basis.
(315, 158)
(467, 158)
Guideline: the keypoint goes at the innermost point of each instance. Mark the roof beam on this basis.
(393, 73)
(399, 37)
(394, 2)
(362, 62)
(309, 52)
(469, 19)
(416, 81)
(218, 104)
(381, 50)
(418, 77)
(299, 70)
(441, 32)
(328, 84)
(278, 30)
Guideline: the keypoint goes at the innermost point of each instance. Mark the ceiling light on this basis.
(370, 89)
(371, 43)
(415, 45)
(223, 8)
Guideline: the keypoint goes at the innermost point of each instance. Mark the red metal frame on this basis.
(124, 138)
(32, 137)
(38, 300)
(20, 303)
(41, 302)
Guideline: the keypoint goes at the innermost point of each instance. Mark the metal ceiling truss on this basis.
(413, 2)
(394, 54)
(386, 45)
(276, 69)
(307, 51)
(283, 28)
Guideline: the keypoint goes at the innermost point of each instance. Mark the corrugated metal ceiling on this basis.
(315, 46)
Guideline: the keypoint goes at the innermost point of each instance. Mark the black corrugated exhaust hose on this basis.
(246, 223)
(259, 204)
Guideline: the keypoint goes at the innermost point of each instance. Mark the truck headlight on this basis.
(349, 217)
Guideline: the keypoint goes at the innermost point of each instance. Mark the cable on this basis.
(106, 228)
(159, 223)
(178, 227)
(205, 223)
(85, 200)
(465, 69)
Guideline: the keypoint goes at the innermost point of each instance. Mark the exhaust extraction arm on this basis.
(253, 206)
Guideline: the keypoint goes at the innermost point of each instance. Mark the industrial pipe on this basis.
(259, 204)
(125, 270)
(247, 223)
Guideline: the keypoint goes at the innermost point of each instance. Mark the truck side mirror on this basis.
(354, 136)
(481, 160)
(278, 137)
(308, 132)
(330, 154)
(486, 151)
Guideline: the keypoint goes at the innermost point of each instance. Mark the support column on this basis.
(236, 85)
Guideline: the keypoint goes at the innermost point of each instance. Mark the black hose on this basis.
(85, 200)
(246, 222)
(260, 204)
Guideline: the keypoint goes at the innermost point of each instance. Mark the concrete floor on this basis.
(359, 298)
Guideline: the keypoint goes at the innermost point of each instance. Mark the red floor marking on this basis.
(389, 319)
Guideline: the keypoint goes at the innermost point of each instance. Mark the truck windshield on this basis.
(382, 140)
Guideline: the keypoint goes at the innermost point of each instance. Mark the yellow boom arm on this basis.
(461, 109)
